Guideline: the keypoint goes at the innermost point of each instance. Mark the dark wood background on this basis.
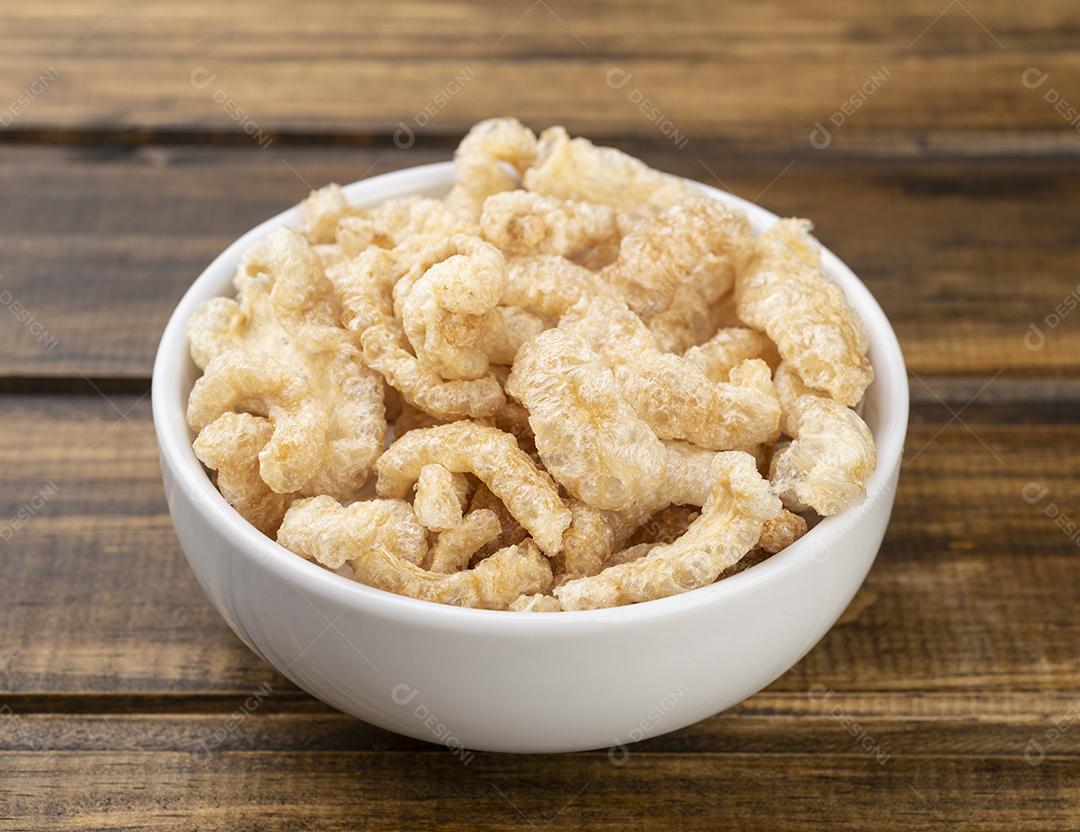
(953, 680)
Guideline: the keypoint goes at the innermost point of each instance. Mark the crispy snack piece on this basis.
(440, 497)
(509, 329)
(730, 346)
(693, 247)
(321, 212)
(494, 457)
(449, 313)
(322, 529)
(548, 285)
(536, 603)
(455, 546)
(491, 158)
(401, 223)
(784, 293)
(729, 526)
(364, 285)
(686, 322)
(781, 532)
(494, 584)
(827, 464)
(672, 395)
(425, 389)
(511, 531)
(588, 437)
(578, 169)
(297, 447)
(230, 446)
(302, 372)
(525, 223)
(594, 534)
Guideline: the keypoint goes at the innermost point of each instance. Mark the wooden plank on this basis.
(748, 74)
(1003, 725)
(974, 590)
(965, 257)
(331, 791)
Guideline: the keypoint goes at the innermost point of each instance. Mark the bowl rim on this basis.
(177, 454)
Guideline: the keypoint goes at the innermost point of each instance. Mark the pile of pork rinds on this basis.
(575, 382)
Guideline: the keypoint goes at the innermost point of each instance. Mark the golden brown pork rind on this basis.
(578, 169)
(440, 497)
(831, 456)
(588, 437)
(425, 389)
(321, 212)
(449, 313)
(455, 547)
(230, 445)
(784, 293)
(729, 526)
(276, 351)
(729, 346)
(494, 457)
(323, 530)
(523, 223)
(494, 584)
(536, 603)
(694, 247)
(490, 159)
(669, 393)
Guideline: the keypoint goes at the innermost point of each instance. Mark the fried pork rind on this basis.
(669, 393)
(230, 445)
(829, 460)
(455, 546)
(321, 212)
(510, 329)
(784, 293)
(449, 313)
(548, 285)
(276, 352)
(364, 285)
(413, 222)
(729, 526)
(297, 447)
(692, 248)
(493, 584)
(779, 533)
(730, 346)
(594, 534)
(577, 169)
(525, 223)
(536, 603)
(440, 497)
(490, 159)
(323, 530)
(425, 389)
(588, 437)
(494, 457)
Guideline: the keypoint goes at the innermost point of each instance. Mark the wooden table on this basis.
(144, 136)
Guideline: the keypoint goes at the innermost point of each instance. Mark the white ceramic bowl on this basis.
(502, 681)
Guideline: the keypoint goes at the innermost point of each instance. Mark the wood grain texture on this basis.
(745, 72)
(330, 791)
(964, 256)
(100, 601)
